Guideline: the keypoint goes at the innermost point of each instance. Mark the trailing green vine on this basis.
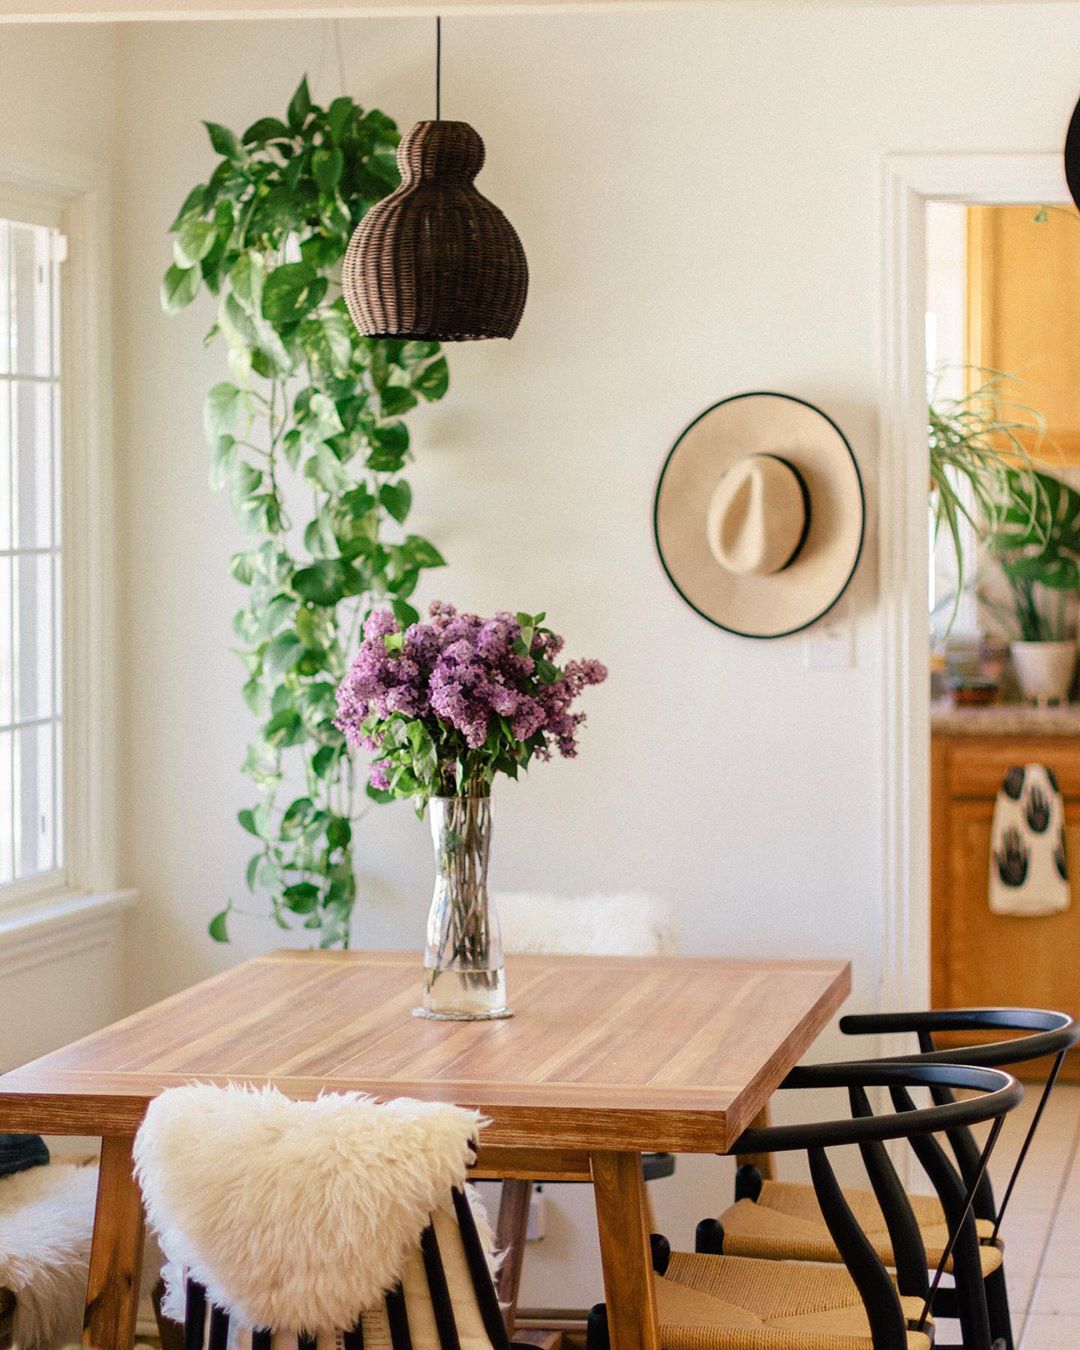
(309, 440)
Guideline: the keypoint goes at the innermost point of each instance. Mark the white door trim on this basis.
(910, 182)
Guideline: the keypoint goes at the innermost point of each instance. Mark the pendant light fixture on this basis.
(436, 261)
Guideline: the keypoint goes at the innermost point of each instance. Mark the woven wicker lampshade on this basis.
(436, 260)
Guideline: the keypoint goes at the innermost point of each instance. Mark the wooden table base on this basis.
(622, 1224)
(112, 1295)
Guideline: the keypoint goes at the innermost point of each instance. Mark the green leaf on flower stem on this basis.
(380, 795)
(404, 612)
(397, 498)
(222, 409)
(266, 129)
(218, 925)
(326, 167)
(223, 140)
(194, 240)
(299, 105)
(301, 898)
(433, 381)
(328, 581)
(283, 653)
(179, 287)
(221, 462)
(291, 291)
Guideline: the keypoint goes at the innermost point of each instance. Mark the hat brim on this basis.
(789, 600)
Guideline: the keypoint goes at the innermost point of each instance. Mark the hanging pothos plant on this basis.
(313, 415)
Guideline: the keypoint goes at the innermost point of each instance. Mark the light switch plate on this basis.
(830, 643)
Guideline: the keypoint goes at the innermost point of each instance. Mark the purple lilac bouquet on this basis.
(446, 705)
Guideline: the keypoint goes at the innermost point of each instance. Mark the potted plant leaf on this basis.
(1037, 545)
(980, 446)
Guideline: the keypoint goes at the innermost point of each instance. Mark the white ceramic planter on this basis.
(1045, 670)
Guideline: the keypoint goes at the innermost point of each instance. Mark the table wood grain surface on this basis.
(637, 1053)
(606, 1058)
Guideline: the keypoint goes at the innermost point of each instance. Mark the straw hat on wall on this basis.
(760, 514)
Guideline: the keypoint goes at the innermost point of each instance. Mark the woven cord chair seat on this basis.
(785, 1223)
(736, 1303)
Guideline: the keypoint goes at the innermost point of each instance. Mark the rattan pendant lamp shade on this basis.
(436, 260)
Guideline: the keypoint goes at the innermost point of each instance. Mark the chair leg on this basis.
(510, 1229)
(997, 1305)
(170, 1333)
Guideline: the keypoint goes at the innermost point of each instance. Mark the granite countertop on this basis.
(1005, 719)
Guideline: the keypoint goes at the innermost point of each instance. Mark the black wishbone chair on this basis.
(446, 1299)
(783, 1221)
(723, 1302)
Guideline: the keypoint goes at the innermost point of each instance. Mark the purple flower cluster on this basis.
(459, 673)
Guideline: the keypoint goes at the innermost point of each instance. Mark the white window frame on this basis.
(77, 192)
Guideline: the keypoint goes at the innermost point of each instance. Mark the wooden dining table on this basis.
(605, 1058)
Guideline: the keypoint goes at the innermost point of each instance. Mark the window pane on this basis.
(5, 297)
(7, 652)
(35, 839)
(32, 331)
(7, 807)
(6, 469)
(33, 464)
(31, 619)
(34, 637)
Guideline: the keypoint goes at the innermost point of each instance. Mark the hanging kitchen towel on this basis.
(1028, 871)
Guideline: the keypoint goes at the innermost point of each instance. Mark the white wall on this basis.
(698, 193)
(63, 976)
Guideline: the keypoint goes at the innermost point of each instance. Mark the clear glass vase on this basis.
(464, 980)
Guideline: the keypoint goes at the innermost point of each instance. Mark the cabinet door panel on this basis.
(998, 959)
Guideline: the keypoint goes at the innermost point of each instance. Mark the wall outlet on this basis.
(534, 1229)
(830, 643)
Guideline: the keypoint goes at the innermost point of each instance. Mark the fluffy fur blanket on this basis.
(46, 1223)
(633, 924)
(295, 1214)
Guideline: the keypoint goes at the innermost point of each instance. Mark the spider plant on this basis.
(981, 467)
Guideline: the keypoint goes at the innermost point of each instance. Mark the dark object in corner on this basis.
(18, 1152)
(1072, 156)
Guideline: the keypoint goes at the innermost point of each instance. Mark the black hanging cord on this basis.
(438, 67)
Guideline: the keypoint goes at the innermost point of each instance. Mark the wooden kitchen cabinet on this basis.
(980, 958)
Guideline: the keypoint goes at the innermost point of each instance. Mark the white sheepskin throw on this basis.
(46, 1223)
(634, 924)
(296, 1215)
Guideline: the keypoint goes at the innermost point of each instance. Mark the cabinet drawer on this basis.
(978, 770)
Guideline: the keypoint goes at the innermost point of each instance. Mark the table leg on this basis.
(510, 1232)
(764, 1162)
(112, 1295)
(619, 1190)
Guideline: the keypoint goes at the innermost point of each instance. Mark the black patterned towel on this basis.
(1028, 872)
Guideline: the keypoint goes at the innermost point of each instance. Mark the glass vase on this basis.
(464, 980)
